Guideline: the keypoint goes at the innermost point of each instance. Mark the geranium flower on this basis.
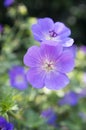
(1, 28)
(18, 78)
(70, 98)
(5, 125)
(48, 66)
(7, 3)
(50, 116)
(47, 30)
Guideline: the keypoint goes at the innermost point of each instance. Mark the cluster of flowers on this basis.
(49, 62)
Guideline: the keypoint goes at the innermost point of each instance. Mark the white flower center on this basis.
(51, 36)
(48, 66)
(19, 79)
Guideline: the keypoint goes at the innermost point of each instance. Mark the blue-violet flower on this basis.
(50, 116)
(47, 30)
(5, 125)
(18, 77)
(7, 3)
(48, 66)
(70, 98)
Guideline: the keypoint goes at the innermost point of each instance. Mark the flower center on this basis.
(51, 36)
(19, 79)
(48, 66)
(52, 33)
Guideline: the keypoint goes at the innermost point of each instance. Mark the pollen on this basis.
(48, 66)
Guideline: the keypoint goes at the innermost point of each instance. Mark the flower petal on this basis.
(21, 86)
(36, 78)
(65, 63)
(53, 42)
(50, 51)
(61, 29)
(42, 28)
(72, 49)
(56, 81)
(32, 57)
(67, 42)
(37, 32)
(46, 24)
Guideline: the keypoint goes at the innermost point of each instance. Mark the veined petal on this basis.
(37, 32)
(56, 81)
(32, 57)
(53, 42)
(36, 78)
(72, 49)
(65, 62)
(46, 24)
(61, 29)
(50, 51)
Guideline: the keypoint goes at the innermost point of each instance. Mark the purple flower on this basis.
(73, 49)
(82, 94)
(50, 116)
(7, 3)
(82, 115)
(18, 78)
(83, 49)
(48, 66)
(70, 98)
(1, 28)
(4, 125)
(47, 30)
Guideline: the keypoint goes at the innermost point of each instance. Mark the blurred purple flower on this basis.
(83, 48)
(18, 78)
(4, 125)
(1, 28)
(50, 116)
(47, 30)
(82, 115)
(7, 3)
(48, 66)
(82, 93)
(70, 98)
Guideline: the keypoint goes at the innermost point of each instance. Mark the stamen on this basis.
(53, 33)
(48, 66)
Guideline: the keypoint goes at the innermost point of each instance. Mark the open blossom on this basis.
(47, 30)
(18, 78)
(50, 116)
(7, 3)
(5, 125)
(48, 66)
(70, 98)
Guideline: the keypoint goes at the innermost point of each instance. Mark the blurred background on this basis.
(71, 12)
(24, 108)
